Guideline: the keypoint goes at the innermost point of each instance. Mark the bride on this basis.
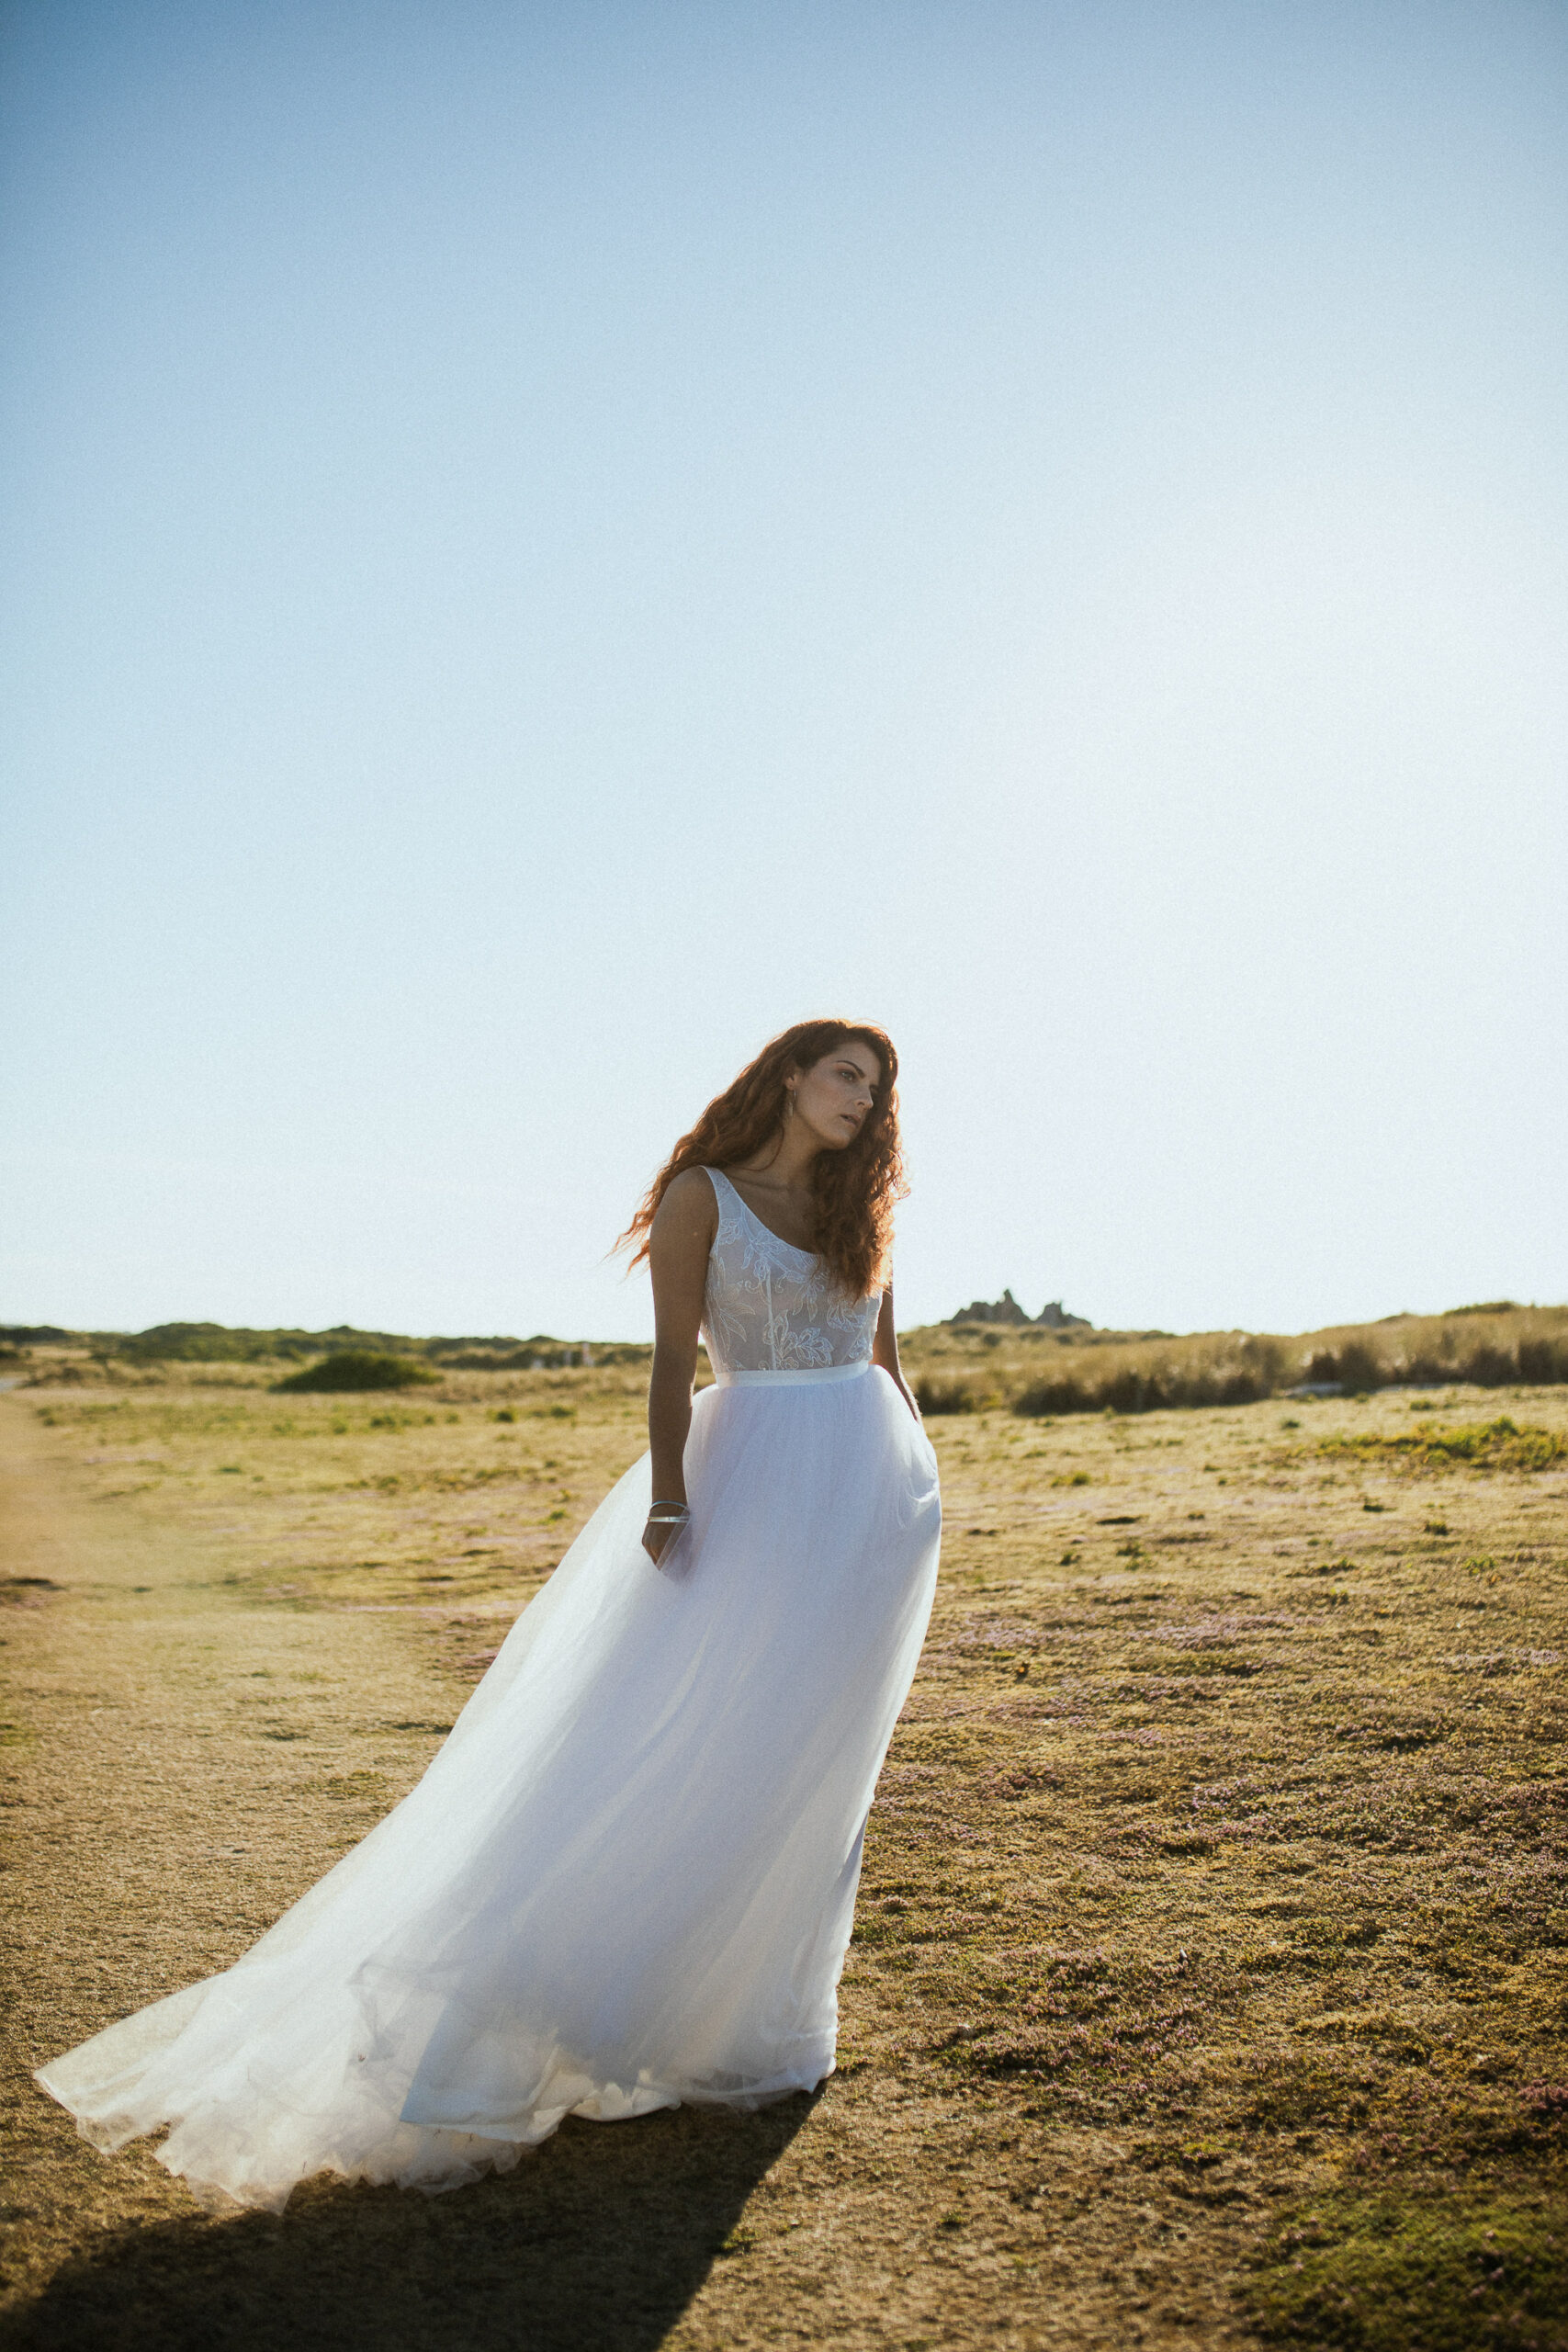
(628, 1879)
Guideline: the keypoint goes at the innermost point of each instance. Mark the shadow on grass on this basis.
(597, 2243)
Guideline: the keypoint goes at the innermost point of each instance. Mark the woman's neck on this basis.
(786, 1163)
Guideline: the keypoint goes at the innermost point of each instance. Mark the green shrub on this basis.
(1536, 1364)
(1491, 1367)
(1048, 1397)
(1164, 1387)
(1501, 1444)
(1354, 1366)
(1543, 1361)
(945, 1397)
(355, 1368)
(217, 1343)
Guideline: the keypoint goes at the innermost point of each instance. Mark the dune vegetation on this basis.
(356, 1370)
(1208, 1984)
(958, 1367)
(981, 1367)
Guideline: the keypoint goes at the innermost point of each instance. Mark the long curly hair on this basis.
(855, 1189)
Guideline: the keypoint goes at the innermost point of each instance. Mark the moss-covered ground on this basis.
(1208, 1985)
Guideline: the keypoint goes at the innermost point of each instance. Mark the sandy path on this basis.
(170, 1763)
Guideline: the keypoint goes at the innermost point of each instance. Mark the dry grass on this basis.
(1208, 1985)
(979, 1367)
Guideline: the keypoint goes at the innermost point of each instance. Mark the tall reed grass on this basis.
(1490, 1347)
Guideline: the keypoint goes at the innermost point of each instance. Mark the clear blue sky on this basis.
(544, 543)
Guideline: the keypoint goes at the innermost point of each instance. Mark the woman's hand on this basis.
(666, 1521)
(655, 1539)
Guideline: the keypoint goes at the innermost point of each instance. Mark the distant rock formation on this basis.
(1052, 1317)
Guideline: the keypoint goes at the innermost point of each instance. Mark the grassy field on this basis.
(1208, 1984)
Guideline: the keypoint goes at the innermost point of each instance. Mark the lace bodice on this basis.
(771, 1308)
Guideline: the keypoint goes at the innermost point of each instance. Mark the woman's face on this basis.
(833, 1098)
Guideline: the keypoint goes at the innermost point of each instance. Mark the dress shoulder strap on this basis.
(728, 1199)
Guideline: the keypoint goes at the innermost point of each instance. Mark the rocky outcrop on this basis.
(1052, 1317)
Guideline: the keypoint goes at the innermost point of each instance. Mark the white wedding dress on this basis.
(628, 1879)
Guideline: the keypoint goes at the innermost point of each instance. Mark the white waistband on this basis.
(790, 1379)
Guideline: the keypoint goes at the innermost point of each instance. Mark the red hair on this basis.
(855, 1189)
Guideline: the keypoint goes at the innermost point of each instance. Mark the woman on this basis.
(629, 1878)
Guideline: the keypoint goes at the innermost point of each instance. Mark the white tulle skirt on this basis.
(628, 1879)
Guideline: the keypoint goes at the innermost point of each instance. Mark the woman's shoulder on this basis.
(692, 1184)
(690, 1199)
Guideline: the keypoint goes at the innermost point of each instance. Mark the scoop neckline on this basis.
(792, 1247)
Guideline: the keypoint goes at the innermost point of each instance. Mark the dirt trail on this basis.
(170, 1755)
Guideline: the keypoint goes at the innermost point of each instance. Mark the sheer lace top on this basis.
(771, 1308)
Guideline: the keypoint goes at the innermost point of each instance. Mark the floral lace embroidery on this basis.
(769, 1306)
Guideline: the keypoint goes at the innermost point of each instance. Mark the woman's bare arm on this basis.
(678, 1247)
(885, 1351)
